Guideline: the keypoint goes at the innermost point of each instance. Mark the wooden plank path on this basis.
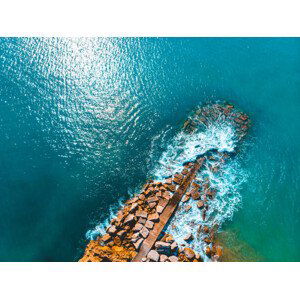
(167, 212)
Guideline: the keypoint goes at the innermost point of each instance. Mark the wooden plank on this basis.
(167, 213)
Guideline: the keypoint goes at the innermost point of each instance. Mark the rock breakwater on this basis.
(142, 229)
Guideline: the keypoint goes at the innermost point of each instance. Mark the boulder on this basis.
(106, 238)
(163, 258)
(162, 245)
(153, 256)
(171, 188)
(188, 237)
(137, 227)
(159, 209)
(174, 246)
(144, 232)
(185, 198)
(133, 207)
(200, 204)
(177, 180)
(121, 233)
(135, 237)
(142, 196)
(168, 181)
(187, 208)
(142, 220)
(195, 194)
(138, 243)
(167, 195)
(129, 219)
(112, 230)
(142, 214)
(152, 199)
(189, 253)
(169, 239)
(173, 259)
(149, 224)
(152, 205)
(153, 217)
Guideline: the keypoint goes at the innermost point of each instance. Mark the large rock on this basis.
(163, 258)
(153, 217)
(129, 219)
(144, 232)
(188, 237)
(162, 245)
(138, 243)
(152, 205)
(121, 233)
(142, 214)
(153, 256)
(173, 259)
(133, 207)
(200, 204)
(137, 227)
(149, 224)
(106, 238)
(174, 246)
(159, 209)
(152, 199)
(112, 230)
(142, 220)
(189, 253)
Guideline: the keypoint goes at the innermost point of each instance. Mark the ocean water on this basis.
(84, 122)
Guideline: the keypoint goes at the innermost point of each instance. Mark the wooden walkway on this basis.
(167, 212)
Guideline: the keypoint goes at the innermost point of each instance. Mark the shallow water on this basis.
(84, 122)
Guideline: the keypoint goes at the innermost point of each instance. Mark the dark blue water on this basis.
(79, 117)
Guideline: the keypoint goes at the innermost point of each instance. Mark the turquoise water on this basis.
(85, 121)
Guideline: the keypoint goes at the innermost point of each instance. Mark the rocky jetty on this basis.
(137, 233)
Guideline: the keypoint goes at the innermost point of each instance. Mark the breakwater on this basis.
(147, 227)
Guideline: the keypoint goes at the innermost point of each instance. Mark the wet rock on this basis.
(144, 232)
(129, 219)
(195, 195)
(142, 220)
(159, 209)
(149, 224)
(142, 196)
(112, 230)
(200, 204)
(162, 245)
(137, 227)
(153, 217)
(187, 208)
(174, 246)
(121, 233)
(188, 237)
(207, 240)
(106, 238)
(133, 207)
(189, 253)
(152, 199)
(142, 214)
(185, 198)
(163, 258)
(219, 251)
(173, 259)
(153, 256)
(138, 243)
(169, 239)
(206, 229)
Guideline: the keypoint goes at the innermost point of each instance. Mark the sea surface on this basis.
(84, 122)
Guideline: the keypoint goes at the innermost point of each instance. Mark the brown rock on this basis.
(137, 227)
(189, 253)
(177, 180)
(167, 195)
(152, 199)
(133, 207)
(153, 217)
(112, 230)
(195, 194)
(144, 232)
(142, 220)
(188, 237)
(206, 229)
(129, 219)
(171, 188)
(152, 205)
(153, 256)
(142, 196)
(149, 224)
(121, 233)
(207, 240)
(106, 238)
(187, 208)
(163, 258)
(185, 198)
(184, 171)
(200, 204)
(174, 246)
(142, 214)
(169, 239)
(138, 243)
(173, 259)
(159, 209)
(168, 181)
(162, 245)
